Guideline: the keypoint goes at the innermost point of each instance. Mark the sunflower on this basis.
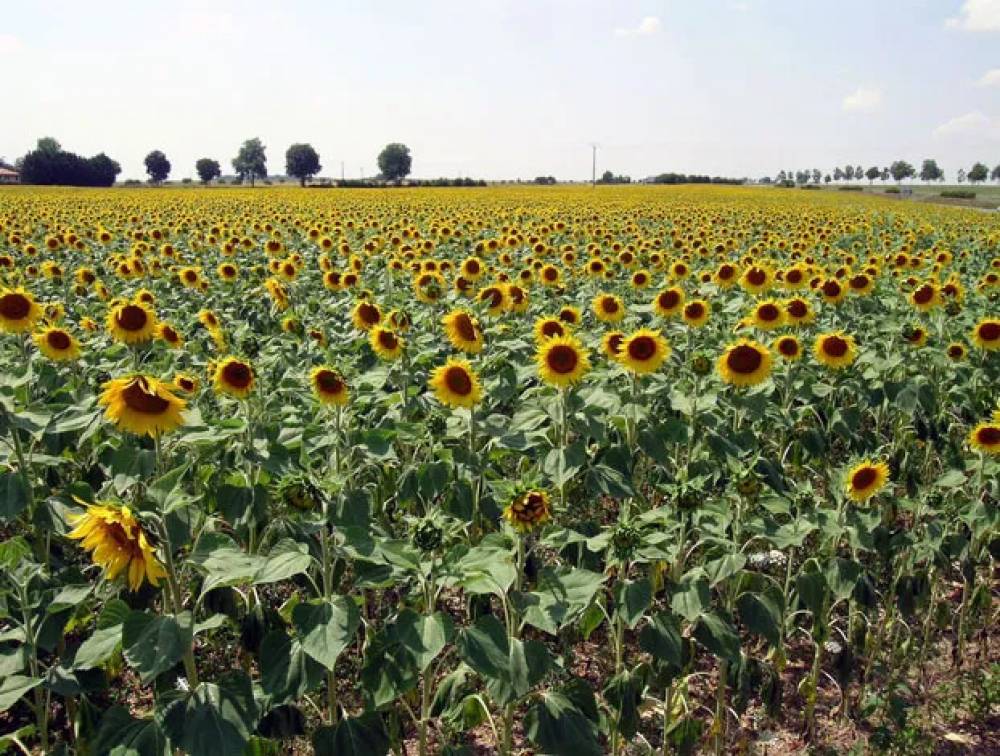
(209, 319)
(611, 344)
(328, 386)
(472, 268)
(456, 384)
(725, 275)
(835, 350)
(528, 511)
(608, 308)
(132, 322)
(169, 336)
(925, 297)
(957, 351)
(549, 327)
(788, 347)
(186, 383)
(768, 315)
(985, 437)
(463, 331)
(833, 291)
(233, 377)
(669, 302)
(570, 314)
(915, 335)
(142, 405)
(757, 279)
(644, 351)
(745, 363)
(366, 315)
(385, 343)
(117, 543)
(228, 271)
(866, 479)
(57, 344)
(696, 312)
(986, 334)
(798, 311)
(495, 299)
(19, 312)
(562, 361)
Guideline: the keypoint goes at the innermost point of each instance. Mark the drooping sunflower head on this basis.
(186, 383)
(528, 511)
(644, 351)
(58, 344)
(456, 384)
(562, 361)
(836, 350)
(19, 312)
(915, 335)
(169, 336)
(986, 334)
(142, 405)
(132, 322)
(866, 479)
(118, 544)
(745, 363)
(985, 437)
(463, 331)
(233, 377)
(386, 343)
(328, 386)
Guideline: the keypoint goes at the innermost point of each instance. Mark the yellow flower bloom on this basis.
(118, 544)
(456, 384)
(866, 479)
(142, 405)
(328, 386)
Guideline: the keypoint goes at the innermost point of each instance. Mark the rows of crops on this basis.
(573, 471)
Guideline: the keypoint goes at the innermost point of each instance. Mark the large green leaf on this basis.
(213, 719)
(15, 686)
(354, 736)
(661, 639)
(286, 559)
(560, 597)
(154, 643)
(122, 735)
(286, 671)
(511, 667)
(718, 635)
(558, 727)
(326, 627)
(632, 599)
(760, 614)
(13, 495)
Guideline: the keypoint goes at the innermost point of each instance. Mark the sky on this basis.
(509, 88)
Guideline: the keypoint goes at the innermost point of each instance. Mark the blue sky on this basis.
(495, 88)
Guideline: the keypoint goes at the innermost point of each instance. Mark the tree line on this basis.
(898, 171)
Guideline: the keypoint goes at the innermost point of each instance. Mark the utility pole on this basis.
(593, 165)
(341, 170)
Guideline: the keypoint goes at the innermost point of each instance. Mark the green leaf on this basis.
(724, 567)
(100, 646)
(286, 560)
(353, 736)
(692, 597)
(15, 686)
(718, 636)
(214, 719)
(13, 495)
(155, 643)
(561, 596)
(561, 465)
(326, 627)
(661, 639)
(951, 479)
(760, 614)
(122, 735)
(632, 599)
(624, 693)
(556, 726)
(286, 671)
(69, 596)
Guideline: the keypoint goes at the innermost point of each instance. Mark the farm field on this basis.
(499, 470)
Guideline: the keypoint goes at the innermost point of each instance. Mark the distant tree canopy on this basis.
(48, 164)
(394, 161)
(208, 169)
(978, 173)
(995, 173)
(929, 171)
(302, 162)
(682, 178)
(873, 173)
(251, 161)
(900, 170)
(609, 178)
(545, 180)
(157, 166)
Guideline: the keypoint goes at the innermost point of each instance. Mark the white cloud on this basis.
(972, 124)
(977, 15)
(990, 79)
(648, 26)
(862, 100)
(9, 44)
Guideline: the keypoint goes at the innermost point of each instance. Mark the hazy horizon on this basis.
(504, 90)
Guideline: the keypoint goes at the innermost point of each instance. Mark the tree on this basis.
(157, 166)
(929, 171)
(781, 177)
(103, 170)
(884, 176)
(873, 173)
(960, 175)
(838, 174)
(978, 173)
(48, 167)
(302, 161)
(394, 161)
(828, 178)
(995, 173)
(208, 169)
(849, 173)
(858, 172)
(901, 170)
(48, 145)
(817, 174)
(251, 162)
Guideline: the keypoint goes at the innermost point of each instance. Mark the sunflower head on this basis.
(117, 543)
(233, 377)
(562, 361)
(142, 405)
(463, 331)
(528, 511)
(19, 312)
(644, 351)
(328, 386)
(985, 437)
(132, 322)
(58, 344)
(745, 363)
(836, 350)
(456, 384)
(866, 479)
(986, 334)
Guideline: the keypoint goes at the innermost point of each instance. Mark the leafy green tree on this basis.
(900, 170)
(978, 173)
(838, 174)
(251, 161)
(873, 173)
(48, 145)
(208, 169)
(849, 173)
(960, 176)
(995, 173)
(929, 171)
(302, 162)
(157, 166)
(884, 176)
(394, 161)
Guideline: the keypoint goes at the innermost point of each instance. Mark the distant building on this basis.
(9, 176)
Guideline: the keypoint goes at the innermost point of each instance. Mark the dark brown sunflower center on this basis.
(131, 318)
(835, 346)
(472, 267)
(329, 382)
(989, 331)
(955, 351)
(237, 374)
(788, 347)
(642, 348)
(831, 289)
(989, 435)
(694, 310)
(864, 478)
(458, 380)
(923, 295)
(726, 272)
(494, 296)
(615, 342)
(793, 276)
(669, 299)
(639, 279)
(744, 359)
(768, 312)
(139, 397)
(609, 305)
(757, 277)
(567, 316)
(550, 274)
(14, 306)
(186, 383)
(797, 308)
(388, 339)
(58, 340)
(562, 359)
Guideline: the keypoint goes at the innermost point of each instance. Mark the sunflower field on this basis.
(505, 470)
